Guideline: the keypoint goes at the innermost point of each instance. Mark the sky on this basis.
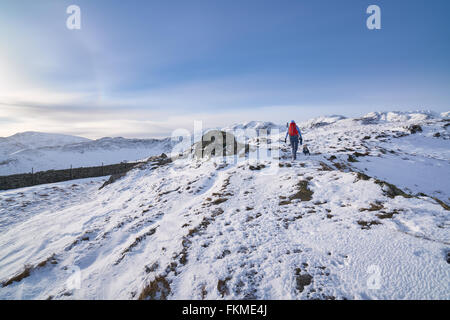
(142, 68)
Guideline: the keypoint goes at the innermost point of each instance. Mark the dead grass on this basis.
(361, 176)
(442, 203)
(257, 167)
(391, 190)
(324, 167)
(219, 201)
(152, 268)
(222, 287)
(373, 207)
(167, 192)
(303, 193)
(17, 278)
(134, 244)
(204, 292)
(366, 225)
(386, 215)
(359, 154)
(26, 272)
(218, 194)
(340, 166)
(158, 289)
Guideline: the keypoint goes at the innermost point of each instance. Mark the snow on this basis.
(22, 152)
(218, 229)
(321, 121)
(35, 140)
(255, 125)
(397, 116)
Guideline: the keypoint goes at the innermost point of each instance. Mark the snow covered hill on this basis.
(34, 140)
(255, 125)
(366, 216)
(43, 151)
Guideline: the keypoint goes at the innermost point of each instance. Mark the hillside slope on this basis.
(43, 151)
(364, 217)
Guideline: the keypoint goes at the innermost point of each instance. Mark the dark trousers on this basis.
(294, 145)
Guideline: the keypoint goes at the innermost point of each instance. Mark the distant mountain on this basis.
(44, 151)
(39, 151)
(321, 121)
(257, 125)
(372, 118)
(34, 140)
(398, 116)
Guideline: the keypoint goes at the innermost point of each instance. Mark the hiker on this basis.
(294, 137)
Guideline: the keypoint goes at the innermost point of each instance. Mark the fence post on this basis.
(103, 173)
(71, 174)
(32, 176)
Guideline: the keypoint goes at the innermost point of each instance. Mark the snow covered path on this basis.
(315, 228)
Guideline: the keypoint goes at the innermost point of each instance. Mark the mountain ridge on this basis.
(42, 151)
(365, 216)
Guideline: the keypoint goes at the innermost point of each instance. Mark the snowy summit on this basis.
(365, 216)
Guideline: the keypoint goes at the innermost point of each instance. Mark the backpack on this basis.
(293, 129)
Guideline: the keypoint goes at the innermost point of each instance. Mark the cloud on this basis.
(95, 111)
(100, 121)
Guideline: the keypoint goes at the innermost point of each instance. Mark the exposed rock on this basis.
(414, 128)
(216, 143)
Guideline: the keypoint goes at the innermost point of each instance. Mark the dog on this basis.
(306, 150)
